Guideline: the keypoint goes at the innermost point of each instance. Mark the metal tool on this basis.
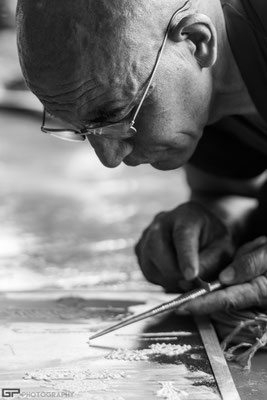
(205, 288)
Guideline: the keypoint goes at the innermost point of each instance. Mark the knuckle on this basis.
(249, 265)
(233, 303)
(189, 209)
(155, 227)
(180, 231)
(260, 288)
(232, 299)
(158, 219)
(229, 302)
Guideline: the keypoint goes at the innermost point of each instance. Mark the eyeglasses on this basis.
(120, 130)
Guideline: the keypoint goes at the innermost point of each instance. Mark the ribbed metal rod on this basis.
(168, 306)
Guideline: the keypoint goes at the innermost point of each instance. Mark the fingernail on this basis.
(189, 274)
(228, 275)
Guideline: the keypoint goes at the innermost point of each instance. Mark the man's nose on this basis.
(110, 152)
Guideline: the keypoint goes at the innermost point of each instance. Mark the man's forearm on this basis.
(235, 212)
(234, 202)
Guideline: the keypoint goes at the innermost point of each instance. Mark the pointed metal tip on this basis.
(98, 334)
(93, 337)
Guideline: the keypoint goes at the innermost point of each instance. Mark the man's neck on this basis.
(230, 95)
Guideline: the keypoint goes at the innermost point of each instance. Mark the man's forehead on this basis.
(77, 50)
(83, 30)
(95, 15)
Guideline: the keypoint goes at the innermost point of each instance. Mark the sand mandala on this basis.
(169, 392)
(76, 381)
(157, 349)
(72, 374)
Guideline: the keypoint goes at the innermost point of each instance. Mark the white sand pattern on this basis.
(169, 392)
(73, 374)
(170, 350)
(77, 381)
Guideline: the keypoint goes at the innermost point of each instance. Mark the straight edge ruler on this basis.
(217, 360)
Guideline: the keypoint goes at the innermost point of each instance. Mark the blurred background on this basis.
(67, 222)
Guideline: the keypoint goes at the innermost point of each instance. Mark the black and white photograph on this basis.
(133, 199)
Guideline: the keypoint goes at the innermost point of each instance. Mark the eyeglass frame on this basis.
(81, 134)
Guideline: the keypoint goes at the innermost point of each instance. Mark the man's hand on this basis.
(247, 275)
(182, 244)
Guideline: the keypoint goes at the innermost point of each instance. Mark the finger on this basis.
(216, 256)
(152, 273)
(167, 265)
(186, 242)
(157, 258)
(246, 267)
(251, 246)
(163, 255)
(233, 297)
(147, 267)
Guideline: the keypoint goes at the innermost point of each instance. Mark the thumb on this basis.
(251, 246)
(246, 267)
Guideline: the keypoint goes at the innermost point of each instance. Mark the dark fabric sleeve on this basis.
(222, 153)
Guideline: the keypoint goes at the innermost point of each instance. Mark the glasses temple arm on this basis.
(43, 121)
(158, 59)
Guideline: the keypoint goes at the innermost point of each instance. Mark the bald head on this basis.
(89, 52)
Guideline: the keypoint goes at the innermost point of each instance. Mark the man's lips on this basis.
(133, 160)
(164, 161)
(161, 155)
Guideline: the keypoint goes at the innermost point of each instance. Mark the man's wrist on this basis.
(235, 212)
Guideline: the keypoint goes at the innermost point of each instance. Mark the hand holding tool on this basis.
(205, 288)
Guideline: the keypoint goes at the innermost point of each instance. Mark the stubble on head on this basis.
(84, 54)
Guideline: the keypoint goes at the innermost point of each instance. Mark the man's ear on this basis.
(200, 33)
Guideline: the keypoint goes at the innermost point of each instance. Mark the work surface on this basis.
(44, 345)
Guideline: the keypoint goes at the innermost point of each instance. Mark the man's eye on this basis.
(114, 116)
(119, 117)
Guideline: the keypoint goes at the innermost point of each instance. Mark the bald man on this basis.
(168, 83)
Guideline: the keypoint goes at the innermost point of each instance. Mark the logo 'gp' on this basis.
(10, 392)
